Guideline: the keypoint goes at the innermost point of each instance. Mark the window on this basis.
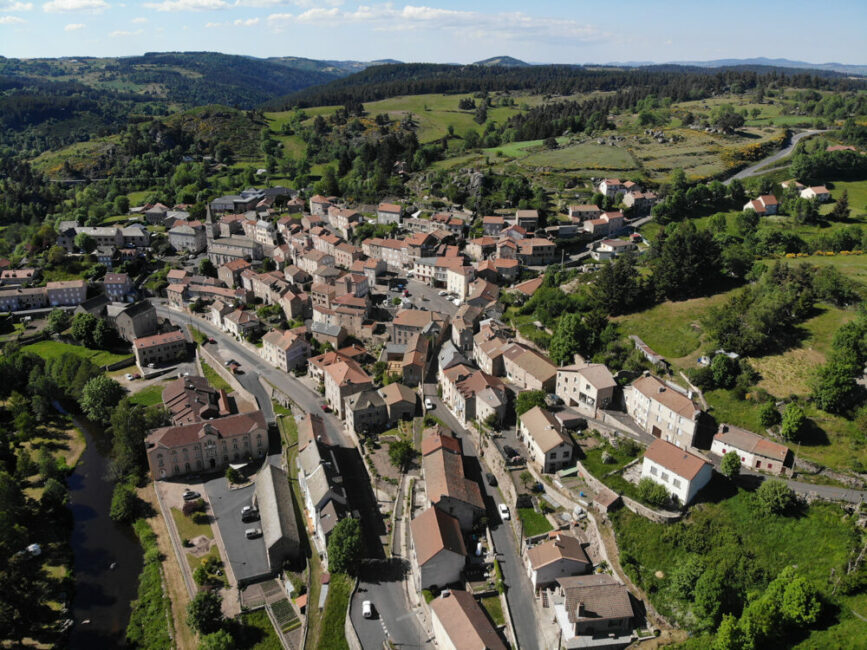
(665, 476)
(676, 483)
(653, 471)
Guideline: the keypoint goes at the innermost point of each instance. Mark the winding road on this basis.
(753, 170)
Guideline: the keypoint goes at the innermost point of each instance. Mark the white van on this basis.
(367, 609)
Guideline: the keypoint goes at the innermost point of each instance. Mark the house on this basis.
(493, 225)
(285, 350)
(609, 223)
(312, 260)
(277, 517)
(117, 286)
(319, 205)
(230, 273)
(438, 550)
(610, 248)
(481, 248)
(611, 187)
(473, 394)
(446, 486)
(241, 323)
(22, 299)
(366, 412)
(321, 484)
(592, 611)
(527, 219)
(662, 410)
(400, 401)
(589, 387)
(206, 446)
(160, 349)
(550, 449)
(133, 321)
(560, 556)
(193, 399)
(818, 193)
(408, 322)
(756, 452)
(529, 287)
(681, 473)
(459, 623)
(413, 364)
(792, 183)
(343, 378)
(584, 211)
(226, 249)
(64, 293)
(219, 310)
(464, 326)
(534, 251)
(328, 333)
(18, 277)
(641, 202)
(766, 204)
(388, 213)
(529, 369)
(188, 236)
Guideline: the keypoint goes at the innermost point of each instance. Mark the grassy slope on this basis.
(54, 349)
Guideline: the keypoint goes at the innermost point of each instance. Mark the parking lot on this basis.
(247, 557)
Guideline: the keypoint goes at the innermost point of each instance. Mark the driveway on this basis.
(247, 556)
(753, 170)
(381, 583)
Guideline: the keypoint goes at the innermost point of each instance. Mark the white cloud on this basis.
(249, 22)
(64, 6)
(279, 3)
(516, 26)
(13, 5)
(120, 33)
(188, 5)
(73, 27)
(11, 20)
(139, 21)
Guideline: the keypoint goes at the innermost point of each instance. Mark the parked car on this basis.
(128, 376)
(428, 404)
(249, 513)
(191, 495)
(491, 479)
(253, 533)
(326, 408)
(444, 293)
(504, 512)
(510, 451)
(367, 609)
(212, 340)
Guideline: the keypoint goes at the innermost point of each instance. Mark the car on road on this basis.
(128, 376)
(367, 609)
(212, 340)
(510, 451)
(456, 302)
(491, 479)
(504, 512)
(249, 513)
(191, 495)
(326, 408)
(428, 404)
(253, 533)
(230, 362)
(444, 293)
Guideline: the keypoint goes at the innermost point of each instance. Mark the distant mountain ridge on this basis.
(507, 61)
(843, 68)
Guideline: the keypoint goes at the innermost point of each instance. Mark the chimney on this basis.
(578, 608)
(662, 389)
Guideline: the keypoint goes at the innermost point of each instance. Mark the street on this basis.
(761, 166)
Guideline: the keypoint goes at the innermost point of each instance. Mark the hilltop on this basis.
(507, 61)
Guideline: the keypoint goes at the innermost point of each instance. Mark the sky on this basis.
(451, 31)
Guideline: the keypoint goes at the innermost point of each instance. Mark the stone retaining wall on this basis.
(205, 355)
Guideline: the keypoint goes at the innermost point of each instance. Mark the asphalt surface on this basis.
(247, 556)
(760, 166)
(381, 584)
(519, 591)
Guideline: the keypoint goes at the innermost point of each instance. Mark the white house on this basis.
(439, 553)
(818, 192)
(549, 448)
(662, 410)
(586, 386)
(755, 451)
(681, 473)
(610, 248)
(285, 350)
(561, 556)
(611, 186)
(387, 213)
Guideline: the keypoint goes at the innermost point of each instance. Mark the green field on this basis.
(535, 523)
(149, 396)
(494, 608)
(214, 379)
(188, 529)
(55, 349)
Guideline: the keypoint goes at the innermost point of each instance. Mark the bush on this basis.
(200, 518)
(775, 497)
(190, 507)
(731, 464)
(793, 421)
(652, 492)
(234, 476)
(123, 503)
(768, 414)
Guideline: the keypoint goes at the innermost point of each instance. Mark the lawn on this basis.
(187, 529)
(196, 561)
(149, 396)
(622, 455)
(257, 633)
(652, 552)
(54, 349)
(214, 379)
(333, 616)
(671, 329)
(583, 156)
(494, 608)
(535, 523)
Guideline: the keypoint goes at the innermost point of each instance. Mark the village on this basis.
(271, 320)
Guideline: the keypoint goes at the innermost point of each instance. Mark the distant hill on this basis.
(761, 62)
(507, 61)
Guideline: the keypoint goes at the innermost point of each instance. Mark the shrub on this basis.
(652, 492)
(768, 414)
(200, 518)
(775, 497)
(190, 507)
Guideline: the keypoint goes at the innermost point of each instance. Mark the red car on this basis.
(326, 408)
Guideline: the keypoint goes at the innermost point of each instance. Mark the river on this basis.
(102, 594)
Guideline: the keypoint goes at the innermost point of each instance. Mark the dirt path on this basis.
(176, 589)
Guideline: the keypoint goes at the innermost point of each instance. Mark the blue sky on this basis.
(560, 31)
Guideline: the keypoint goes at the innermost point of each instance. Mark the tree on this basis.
(481, 115)
(54, 496)
(207, 268)
(769, 415)
(793, 421)
(234, 476)
(550, 143)
(345, 546)
(83, 326)
(84, 242)
(219, 640)
(731, 464)
(801, 605)
(683, 578)
(99, 396)
(841, 207)
(123, 503)
(729, 636)
(528, 399)
(775, 497)
(724, 370)
(834, 388)
(56, 255)
(652, 492)
(121, 204)
(617, 286)
(204, 613)
(58, 321)
(567, 339)
(401, 454)
(726, 118)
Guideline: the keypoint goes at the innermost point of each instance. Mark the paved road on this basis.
(758, 168)
(519, 590)
(381, 583)
(254, 366)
